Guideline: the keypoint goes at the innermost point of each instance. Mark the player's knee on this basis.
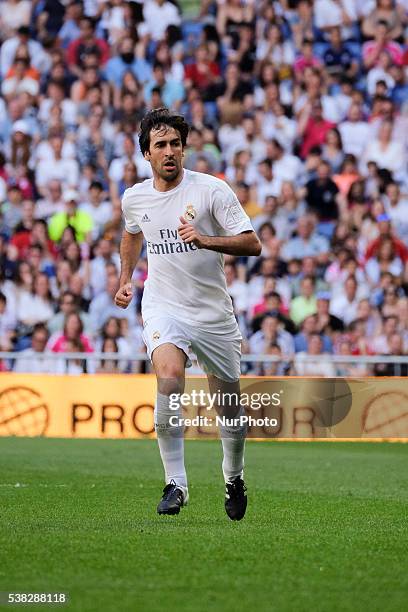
(170, 370)
(170, 380)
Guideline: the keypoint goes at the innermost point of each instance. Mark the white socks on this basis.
(233, 446)
(171, 442)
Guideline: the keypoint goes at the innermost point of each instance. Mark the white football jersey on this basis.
(184, 281)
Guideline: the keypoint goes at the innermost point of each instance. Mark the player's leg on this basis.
(233, 433)
(169, 364)
(219, 353)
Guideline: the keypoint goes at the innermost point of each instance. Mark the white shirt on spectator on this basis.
(268, 188)
(238, 290)
(343, 309)
(8, 323)
(399, 217)
(100, 214)
(102, 307)
(288, 168)
(68, 107)
(257, 343)
(319, 367)
(392, 158)
(98, 272)
(373, 269)
(33, 309)
(328, 13)
(281, 128)
(45, 208)
(231, 138)
(117, 167)
(378, 74)
(280, 54)
(157, 18)
(39, 58)
(64, 170)
(44, 151)
(355, 135)
(15, 14)
(31, 361)
(329, 104)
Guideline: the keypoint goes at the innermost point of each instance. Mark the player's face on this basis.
(165, 153)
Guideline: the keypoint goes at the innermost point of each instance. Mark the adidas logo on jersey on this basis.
(145, 217)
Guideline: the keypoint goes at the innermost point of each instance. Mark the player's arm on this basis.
(130, 249)
(245, 243)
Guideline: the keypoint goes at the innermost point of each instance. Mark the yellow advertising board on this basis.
(88, 406)
(121, 406)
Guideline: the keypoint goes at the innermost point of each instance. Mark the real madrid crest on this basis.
(156, 335)
(190, 212)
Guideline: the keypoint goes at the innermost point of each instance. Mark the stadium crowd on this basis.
(301, 105)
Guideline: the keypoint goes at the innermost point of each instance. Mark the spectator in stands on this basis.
(7, 324)
(385, 152)
(385, 232)
(354, 131)
(98, 208)
(158, 16)
(381, 42)
(171, 91)
(304, 304)
(393, 369)
(58, 168)
(322, 199)
(103, 306)
(203, 73)
(73, 331)
(36, 358)
(68, 305)
(308, 327)
(112, 331)
(109, 366)
(126, 61)
(387, 13)
(344, 306)
(312, 127)
(272, 332)
(306, 243)
(319, 366)
(36, 306)
(396, 207)
(332, 150)
(386, 260)
(81, 221)
(71, 30)
(52, 202)
(338, 59)
(326, 323)
(86, 44)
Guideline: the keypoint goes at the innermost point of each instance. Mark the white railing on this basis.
(245, 358)
(372, 359)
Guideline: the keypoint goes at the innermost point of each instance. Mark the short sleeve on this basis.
(228, 212)
(131, 224)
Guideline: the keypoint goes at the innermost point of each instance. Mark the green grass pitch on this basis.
(326, 527)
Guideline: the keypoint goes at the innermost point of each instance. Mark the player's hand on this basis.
(124, 296)
(189, 234)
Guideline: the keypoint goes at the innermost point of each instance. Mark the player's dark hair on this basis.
(158, 118)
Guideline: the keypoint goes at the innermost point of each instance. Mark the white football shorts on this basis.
(218, 351)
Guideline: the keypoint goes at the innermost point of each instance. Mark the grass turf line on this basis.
(326, 527)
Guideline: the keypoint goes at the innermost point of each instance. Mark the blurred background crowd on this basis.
(301, 105)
